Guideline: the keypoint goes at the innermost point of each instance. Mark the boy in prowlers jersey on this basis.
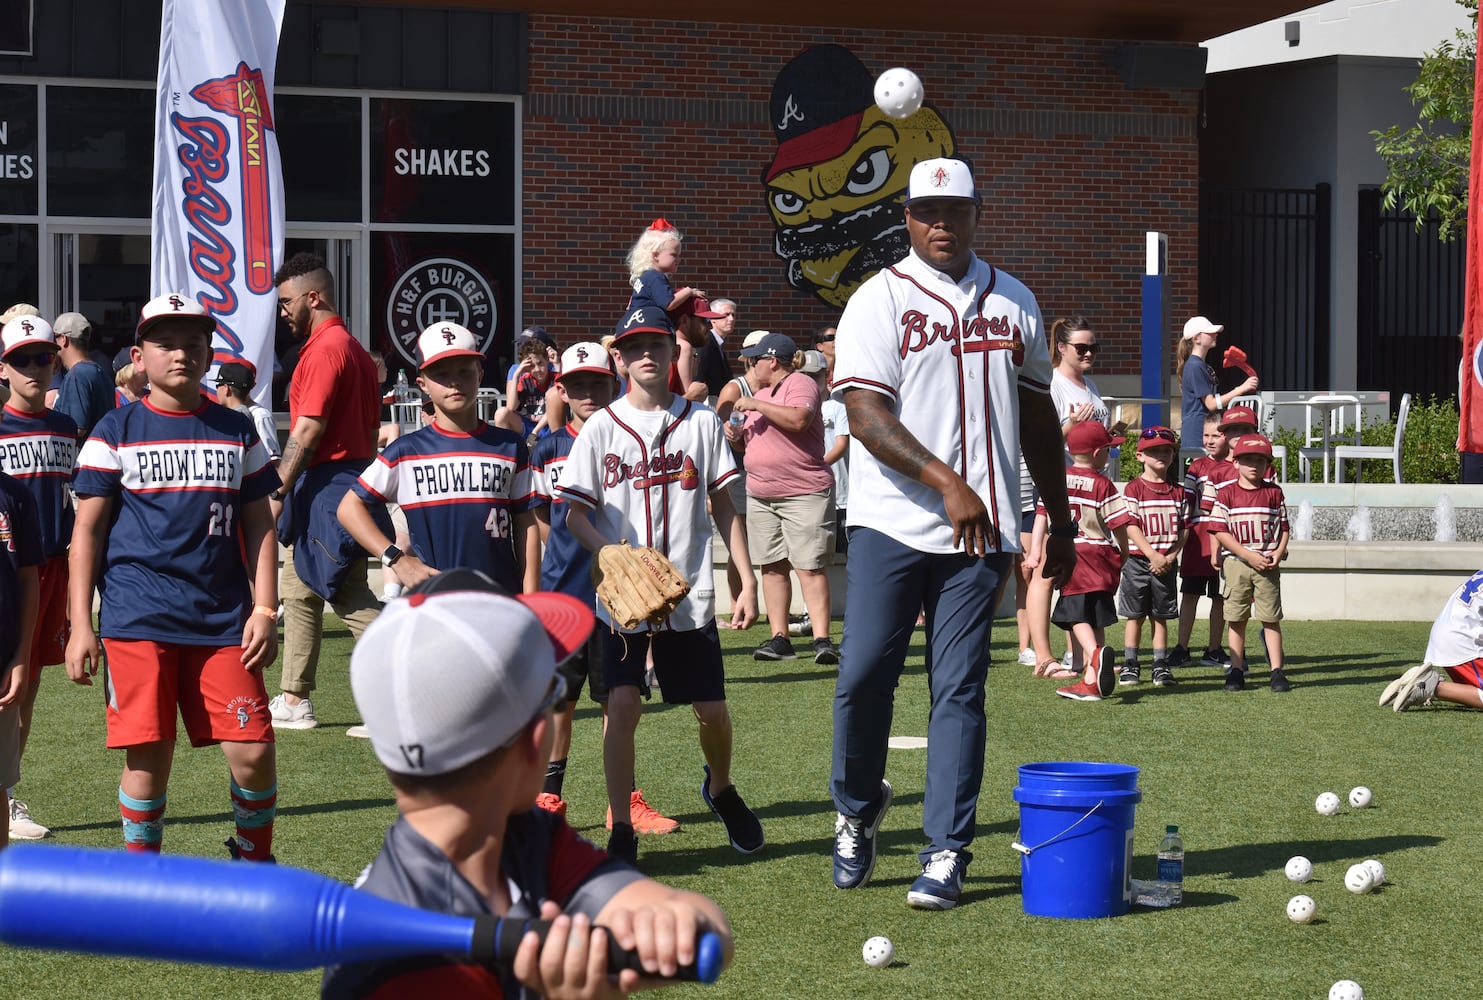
(38, 446)
(463, 485)
(173, 527)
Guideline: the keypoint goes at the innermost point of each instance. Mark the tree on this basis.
(1427, 164)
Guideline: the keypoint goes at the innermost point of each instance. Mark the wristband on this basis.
(1068, 530)
(270, 613)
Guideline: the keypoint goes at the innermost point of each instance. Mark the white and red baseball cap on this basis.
(586, 357)
(174, 305)
(458, 667)
(24, 331)
(941, 177)
(446, 340)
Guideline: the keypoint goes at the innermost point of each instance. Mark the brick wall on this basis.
(627, 120)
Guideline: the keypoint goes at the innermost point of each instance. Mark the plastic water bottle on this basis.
(737, 419)
(1171, 866)
(402, 389)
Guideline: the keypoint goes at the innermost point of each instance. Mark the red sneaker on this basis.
(552, 803)
(1080, 691)
(645, 818)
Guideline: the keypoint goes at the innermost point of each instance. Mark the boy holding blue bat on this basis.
(456, 683)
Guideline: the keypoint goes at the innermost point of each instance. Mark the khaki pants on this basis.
(303, 620)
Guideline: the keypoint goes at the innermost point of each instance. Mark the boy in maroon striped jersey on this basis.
(1156, 534)
(1250, 521)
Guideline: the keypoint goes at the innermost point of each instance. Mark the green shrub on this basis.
(1428, 455)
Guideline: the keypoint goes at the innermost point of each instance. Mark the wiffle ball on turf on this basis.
(1358, 880)
(1299, 869)
(1301, 909)
(898, 92)
(1327, 804)
(1360, 797)
(1346, 989)
(878, 952)
(1377, 871)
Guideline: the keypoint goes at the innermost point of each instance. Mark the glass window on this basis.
(319, 145)
(443, 162)
(19, 279)
(19, 184)
(418, 279)
(100, 151)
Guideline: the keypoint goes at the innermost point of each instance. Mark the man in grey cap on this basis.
(87, 388)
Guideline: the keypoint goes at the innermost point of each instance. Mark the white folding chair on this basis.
(1327, 416)
(1361, 452)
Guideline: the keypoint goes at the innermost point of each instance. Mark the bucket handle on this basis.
(1027, 851)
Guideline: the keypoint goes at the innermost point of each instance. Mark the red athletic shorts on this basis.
(219, 699)
(49, 642)
(1470, 674)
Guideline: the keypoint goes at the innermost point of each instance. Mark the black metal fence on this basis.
(1264, 273)
(1410, 302)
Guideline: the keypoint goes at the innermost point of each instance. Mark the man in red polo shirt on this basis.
(334, 414)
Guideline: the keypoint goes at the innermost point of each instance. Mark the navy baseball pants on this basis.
(888, 583)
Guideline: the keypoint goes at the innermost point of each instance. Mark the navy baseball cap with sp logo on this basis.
(446, 340)
(173, 306)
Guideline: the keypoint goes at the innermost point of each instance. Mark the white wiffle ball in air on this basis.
(898, 92)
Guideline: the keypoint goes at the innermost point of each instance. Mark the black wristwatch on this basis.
(391, 555)
(276, 496)
(1068, 530)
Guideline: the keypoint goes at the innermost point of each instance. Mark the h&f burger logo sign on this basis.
(440, 290)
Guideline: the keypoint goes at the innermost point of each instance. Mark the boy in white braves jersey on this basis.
(1453, 667)
(640, 472)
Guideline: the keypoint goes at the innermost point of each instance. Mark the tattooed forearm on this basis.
(883, 434)
(295, 457)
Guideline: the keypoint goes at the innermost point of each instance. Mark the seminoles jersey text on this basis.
(1255, 518)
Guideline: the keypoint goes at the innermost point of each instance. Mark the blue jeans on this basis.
(888, 583)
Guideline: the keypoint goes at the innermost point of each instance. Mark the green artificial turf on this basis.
(1237, 772)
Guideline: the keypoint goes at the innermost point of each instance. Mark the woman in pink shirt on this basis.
(790, 493)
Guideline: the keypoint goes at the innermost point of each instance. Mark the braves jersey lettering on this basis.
(951, 357)
(177, 466)
(657, 462)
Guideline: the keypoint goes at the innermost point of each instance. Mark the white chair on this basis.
(1327, 416)
(1279, 451)
(1361, 452)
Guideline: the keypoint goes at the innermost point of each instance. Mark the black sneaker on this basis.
(1106, 665)
(743, 828)
(1131, 673)
(1178, 657)
(825, 652)
(1215, 658)
(1235, 679)
(235, 850)
(623, 844)
(1162, 675)
(1280, 683)
(779, 647)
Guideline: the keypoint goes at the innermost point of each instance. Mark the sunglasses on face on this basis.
(1084, 349)
(826, 340)
(39, 359)
(1157, 434)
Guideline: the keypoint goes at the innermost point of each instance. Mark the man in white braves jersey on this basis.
(939, 357)
(640, 471)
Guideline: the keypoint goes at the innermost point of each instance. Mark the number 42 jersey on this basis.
(173, 564)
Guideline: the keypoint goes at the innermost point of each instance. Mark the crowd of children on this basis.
(1221, 532)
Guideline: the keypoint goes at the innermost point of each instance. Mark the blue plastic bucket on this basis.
(1076, 838)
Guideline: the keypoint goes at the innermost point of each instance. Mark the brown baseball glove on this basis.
(637, 585)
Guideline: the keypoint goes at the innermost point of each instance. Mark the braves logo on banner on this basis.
(440, 290)
(218, 210)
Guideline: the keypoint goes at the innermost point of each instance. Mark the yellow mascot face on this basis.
(837, 182)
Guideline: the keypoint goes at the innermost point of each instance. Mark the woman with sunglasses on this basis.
(1076, 400)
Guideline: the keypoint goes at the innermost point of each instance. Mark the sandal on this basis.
(1054, 670)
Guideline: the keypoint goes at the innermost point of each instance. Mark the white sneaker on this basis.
(358, 732)
(22, 826)
(803, 626)
(286, 716)
(1027, 658)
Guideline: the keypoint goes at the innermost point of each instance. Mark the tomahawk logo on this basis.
(436, 291)
(790, 113)
(939, 177)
